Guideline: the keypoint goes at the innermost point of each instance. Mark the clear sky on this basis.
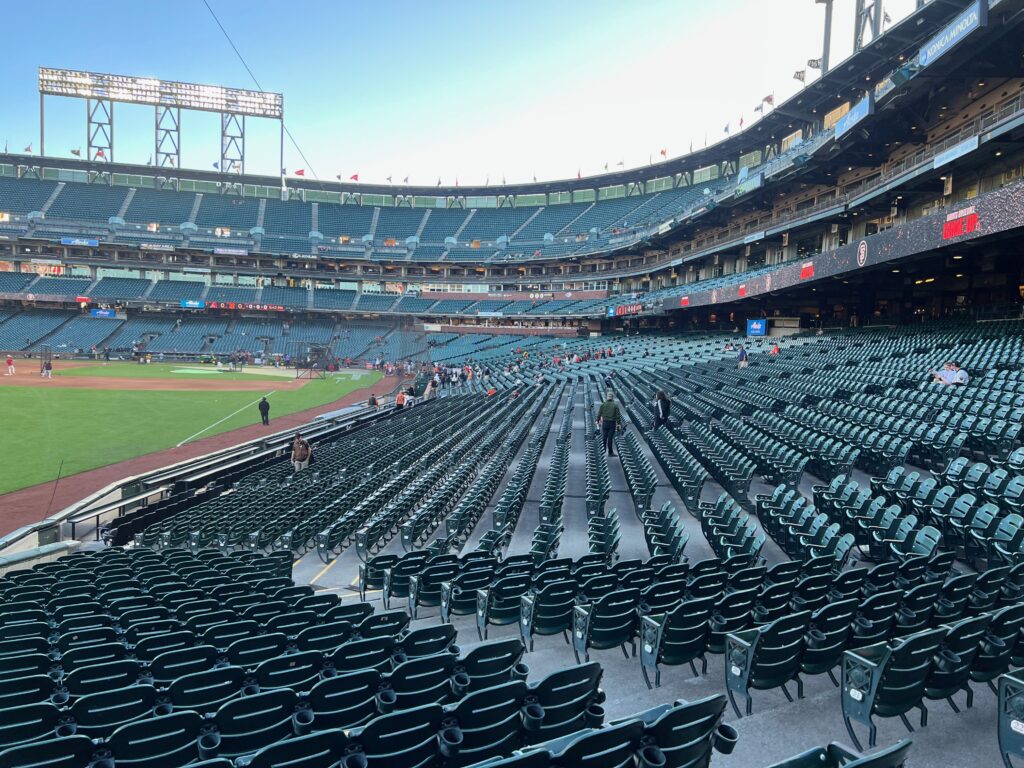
(448, 89)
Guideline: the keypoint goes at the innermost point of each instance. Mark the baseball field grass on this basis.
(177, 371)
(87, 428)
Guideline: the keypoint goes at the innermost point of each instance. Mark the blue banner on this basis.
(858, 112)
(974, 17)
(757, 327)
(192, 304)
(957, 150)
(103, 313)
(83, 241)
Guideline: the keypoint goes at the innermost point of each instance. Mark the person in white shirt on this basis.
(945, 375)
(960, 376)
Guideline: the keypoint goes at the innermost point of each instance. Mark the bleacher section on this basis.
(248, 335)
(95, 202)
(399, 223)
(136, 330)
(370, 302)
(443, 222)
(332, 299)
(175, 291)
(288, 218)
(190, 338)
(21, 196)
(352, 221)
(355, 340)
(119, 288)
(79, 334)
(23, 329)
(293, 298)
(164, 207)
(230, 293)
(237, 213)
(60, 286)
(12, 282)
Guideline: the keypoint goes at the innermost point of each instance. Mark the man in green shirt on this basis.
(608, 418)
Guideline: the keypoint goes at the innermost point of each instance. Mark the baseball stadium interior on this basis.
(816, 558)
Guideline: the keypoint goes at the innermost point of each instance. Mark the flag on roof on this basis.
(814, 63)
(606, 166)
(217, 166)
(389, 179)
(535, 178)
(759, 108)
(76, 152)
(503, 179)
(405, 180)
(579, 175)
(101, 153)
(621, 163)
(456, 181)
(886, 18)
(150, 161)
(691, 146)
(741, 122)
(284, 171)
(355, 177)
(439, 181)
(338, 177)
(727, 127)
(769, 100)
(28, 150)
(300, 172)
(664, 152)
(801, 75)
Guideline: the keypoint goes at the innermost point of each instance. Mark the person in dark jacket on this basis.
(264, 407)
(608, 418)
(662, 407)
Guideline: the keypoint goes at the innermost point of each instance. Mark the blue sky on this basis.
(473, 91)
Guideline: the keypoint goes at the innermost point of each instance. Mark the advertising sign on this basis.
(757, 327)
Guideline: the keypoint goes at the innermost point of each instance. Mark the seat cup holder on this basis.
(520, 671)
(328, 672)
(251, 689)
(594, 716)
(398, 658)
(209, 744)
(450, 741)
(460, 683)
(386, 700)
(815, 638)
(993, 644)
(59, 698)
(65, 729)
(651, 757)
(164, 708)
(354, 760)
(533, 716)
(302, 721)
(725, 739)
(104, 762)
(947, 661)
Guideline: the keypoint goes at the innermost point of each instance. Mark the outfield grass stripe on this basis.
(221, 421)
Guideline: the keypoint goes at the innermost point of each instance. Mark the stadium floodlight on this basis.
(168, 97)
(129, 89)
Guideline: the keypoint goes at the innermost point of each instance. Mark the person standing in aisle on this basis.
(608, 418)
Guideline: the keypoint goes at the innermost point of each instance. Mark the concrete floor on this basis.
(777, 729)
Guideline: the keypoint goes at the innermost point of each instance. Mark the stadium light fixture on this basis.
(131, 89)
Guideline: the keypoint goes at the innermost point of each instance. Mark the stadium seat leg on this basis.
(970, 696)
(624, 651)
(924, 714)
(647, 677)
(565, 636)
(785, 692)
(703, 665)
(952, 704)
(853, 736)
(732, 700)
(694, 668)
(906, 723)
(750, 704)
(832, 677)
(799, 688)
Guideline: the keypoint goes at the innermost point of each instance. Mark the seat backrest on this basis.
(685, 732)
(401, 739)
(345, 701)
(167, 740)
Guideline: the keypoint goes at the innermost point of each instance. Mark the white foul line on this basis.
(207, 429)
